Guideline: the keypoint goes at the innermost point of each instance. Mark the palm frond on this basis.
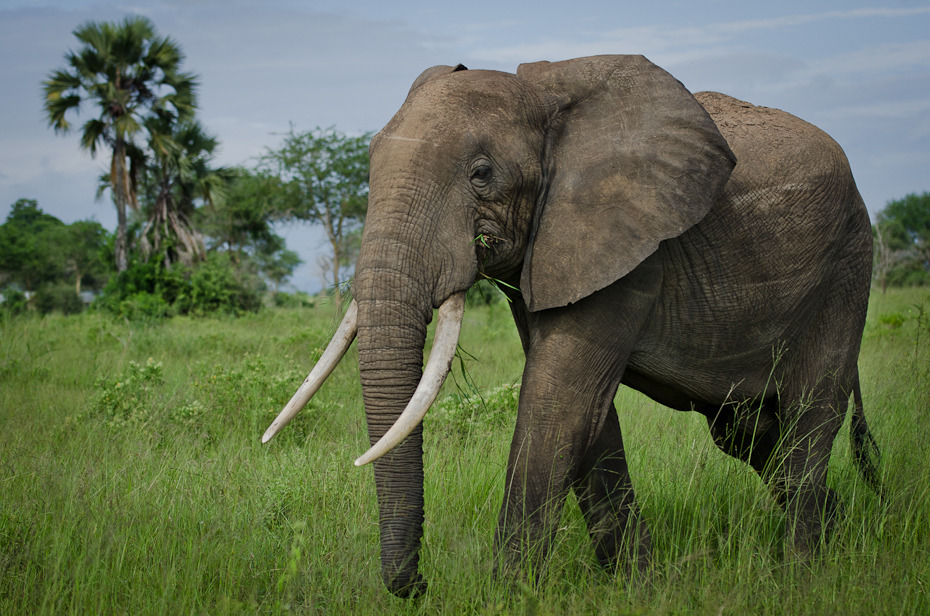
(94, 132)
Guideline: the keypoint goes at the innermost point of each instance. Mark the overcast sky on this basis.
(860, 70)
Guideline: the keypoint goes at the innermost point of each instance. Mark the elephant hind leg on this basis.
(788, 439)
(605, 494)
(797, 472)
(865, 449)
(748, 431)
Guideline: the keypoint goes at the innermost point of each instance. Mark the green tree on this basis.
(38, 251)
(178, 177)
(81, 253)
(277, 265)
(127, 71)
(242, 224)
(902, 241)
(28, 240)
(325, 178)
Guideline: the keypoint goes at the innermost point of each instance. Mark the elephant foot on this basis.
(406, 587)
(627, 552)
(813, 526)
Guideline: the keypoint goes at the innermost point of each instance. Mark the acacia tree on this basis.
(241, 224)
(324, 174)
(127, 71)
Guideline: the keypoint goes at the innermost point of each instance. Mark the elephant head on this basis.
(560, 179)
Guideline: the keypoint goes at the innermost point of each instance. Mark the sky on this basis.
(860, 70)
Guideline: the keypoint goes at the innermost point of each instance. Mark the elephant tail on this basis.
(865, 449)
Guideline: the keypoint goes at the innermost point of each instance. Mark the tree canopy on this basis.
(178, 176)
(324, 175)
(902, 241)
(242, 224)
(38, 251)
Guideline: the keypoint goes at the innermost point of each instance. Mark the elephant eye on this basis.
(481, 175)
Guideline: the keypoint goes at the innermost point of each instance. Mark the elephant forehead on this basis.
(446, 108)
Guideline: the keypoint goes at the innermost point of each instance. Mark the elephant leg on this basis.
(605, 494)
(575, 360)
(818, 380)
(748, 431)
(797, 473)
(557, 422)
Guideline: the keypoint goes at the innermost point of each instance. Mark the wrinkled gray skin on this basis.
(609, 197)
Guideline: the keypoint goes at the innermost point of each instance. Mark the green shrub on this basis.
(892, 320)
(218, 286)
(58, 298)
(127, 400)
(293, 300)
(144, 307)
(14, 301)
(908, 274)
(149, 290)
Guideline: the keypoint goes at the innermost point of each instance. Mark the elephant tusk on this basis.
(448, 326)
(337, 347)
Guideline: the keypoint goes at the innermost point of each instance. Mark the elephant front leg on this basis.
(542, 465)
(565, 401)
(605, 494)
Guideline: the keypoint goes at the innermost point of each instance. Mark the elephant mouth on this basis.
(445, 341)
(494, 254)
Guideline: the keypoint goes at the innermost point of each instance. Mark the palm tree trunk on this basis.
(118, 183)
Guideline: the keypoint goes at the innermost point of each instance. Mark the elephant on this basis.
(710, 253)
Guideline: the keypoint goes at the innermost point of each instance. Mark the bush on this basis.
(144, 307)
(476, 413)
(127, 400)
(218, 286)
(293, 300)
(149, 290)
(908, 274)
(14, 301)
(58, 298)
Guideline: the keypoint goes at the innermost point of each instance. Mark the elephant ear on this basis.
(633, 160)
(433, 72)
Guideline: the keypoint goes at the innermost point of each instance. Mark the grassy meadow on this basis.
(132, 481)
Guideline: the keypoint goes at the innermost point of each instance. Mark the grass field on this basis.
(132, 481)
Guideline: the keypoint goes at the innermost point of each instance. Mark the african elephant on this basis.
(709, 253)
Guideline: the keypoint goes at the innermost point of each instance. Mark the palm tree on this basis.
(127, 71)
(178, 176)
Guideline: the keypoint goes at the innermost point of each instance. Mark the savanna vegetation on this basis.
(134, 482)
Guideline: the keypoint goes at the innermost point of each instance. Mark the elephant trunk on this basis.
(393, 313)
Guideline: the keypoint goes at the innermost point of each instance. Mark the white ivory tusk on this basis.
(448, 326)
(337, 347)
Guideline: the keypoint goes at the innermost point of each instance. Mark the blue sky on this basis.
(860, 70)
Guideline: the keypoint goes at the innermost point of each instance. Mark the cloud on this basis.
(889, 57)
(668, 44)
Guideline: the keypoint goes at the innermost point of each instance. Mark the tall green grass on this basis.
(132, 481)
